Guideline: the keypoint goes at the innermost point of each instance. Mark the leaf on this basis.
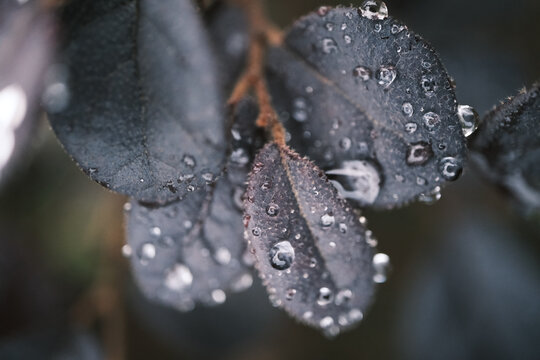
(228, 29)
(145, 109)
(507, 146)
(193, 250)
(369, 102)
(27, 35)
(310, 247)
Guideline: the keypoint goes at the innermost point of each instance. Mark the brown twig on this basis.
(262, 33)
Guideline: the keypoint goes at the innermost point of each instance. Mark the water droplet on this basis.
(155, 231)
(421, 181)
(178, 278)
(325, 296)
(308, 315)
(468, 118)
(377, 28)
(343, 228)
(282, 255)
(329, 46)
(218, 296)
(431, 197)
(386, 75)
(312, 262)
(396, 29)
(326, 322)
(223, 256)
(374, 10)
(381, 264)
(327, 220)
(419, 153)
(189, 161)
(208, 177)
(147, 251)
(243, 282)
(355, 315)
(426, 64)
(272, 209)
(344, 26)
(450, 168)
(345, 143)
(407, 109)
(323, 10)
(127, 251)
(362, 72)
(431, 120)
(300, 115)
(329, 26)
(343, 296)
(361, 178)
(410, 127)
(236, 134)
(428, 84)
(347, 39)
(127, 207)
(239, 156)
(290, 294)
(256, 231)
(188, 224)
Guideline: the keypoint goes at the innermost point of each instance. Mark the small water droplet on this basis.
(127, 251)
(272, 209)
(431, 120)
(377, 28)
(347, 39)
(243, 282)
(428, 84)
(218, 296)
(345, 143)
(127, 207)
(329, 46)
(239, 156)
(256, 231)
(421, 181)
(325, 296)
(419, 153)
(147, 251)
(410, 127)
(343, 228)
(386, 75)
(407, 109)
(155, 231)
(374, 10)
(343, 296)
(223, 256)
(329, 26)
(396, 29)
(290, 294)
(282, 255)
(326, 322)
(208, 177)
(327, 220)
(468, 118)
(178, 278)
(381, 264)
(308, 315)
(189, 161)
(362, 72)
(312, 262)
(355, 315)
(344, 26)
(450, 168)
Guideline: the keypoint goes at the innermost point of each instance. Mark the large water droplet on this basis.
(325, 296)
(386, 75)
(282, 255)
(468, 117)
(178, 278)
(381, 264)
(450, 168)
(329, 46)
(360, 177)
(374, 10)
(419, 153)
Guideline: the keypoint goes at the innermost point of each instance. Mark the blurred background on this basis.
(465, 280)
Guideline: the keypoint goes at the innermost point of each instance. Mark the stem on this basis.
(262, 33)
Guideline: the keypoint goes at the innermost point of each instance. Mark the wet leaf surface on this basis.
(146, 109)
(310, 247)
(507, 146)
(193, 250)
(27, 38)
(371, 101)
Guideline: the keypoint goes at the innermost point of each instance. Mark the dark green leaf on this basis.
(146, 110)
(370, 102)
(311, 249)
